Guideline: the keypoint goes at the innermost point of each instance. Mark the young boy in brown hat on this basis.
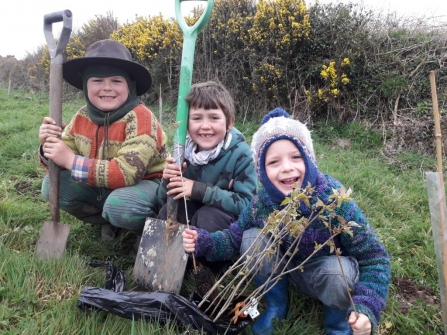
(114, 150)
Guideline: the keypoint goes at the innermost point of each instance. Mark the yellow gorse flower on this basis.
(333, 82)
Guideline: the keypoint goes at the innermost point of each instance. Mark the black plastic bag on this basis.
(156, 306)
(115, 278)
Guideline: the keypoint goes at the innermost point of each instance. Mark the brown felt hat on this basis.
(107, 53)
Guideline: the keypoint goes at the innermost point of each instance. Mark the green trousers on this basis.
(125, 207)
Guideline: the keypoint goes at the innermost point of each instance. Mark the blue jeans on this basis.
(125, 207)
(322, 278)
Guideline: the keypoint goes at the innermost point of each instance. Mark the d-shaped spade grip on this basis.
(56, 51)
(66, 17)
(201, 22)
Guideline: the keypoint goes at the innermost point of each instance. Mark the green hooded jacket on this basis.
(228, 182)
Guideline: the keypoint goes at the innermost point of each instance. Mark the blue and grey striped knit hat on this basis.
(277, 125)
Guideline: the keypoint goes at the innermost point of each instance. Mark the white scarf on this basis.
(204, 156)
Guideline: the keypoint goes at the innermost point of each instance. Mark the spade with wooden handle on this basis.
(54, 235)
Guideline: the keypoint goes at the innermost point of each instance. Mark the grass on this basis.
(39, 297)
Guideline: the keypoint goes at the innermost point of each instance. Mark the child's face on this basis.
(284, 166)
(207, 127)
(108, 93)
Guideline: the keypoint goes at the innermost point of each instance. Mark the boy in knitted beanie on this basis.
(284, 158)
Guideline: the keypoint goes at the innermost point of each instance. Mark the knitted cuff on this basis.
(365, 310)
(204, 244)
(42, 158)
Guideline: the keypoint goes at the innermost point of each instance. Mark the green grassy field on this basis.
(39, 297)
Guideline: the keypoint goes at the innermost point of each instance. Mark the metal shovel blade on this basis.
(52, 241)
(161, 258)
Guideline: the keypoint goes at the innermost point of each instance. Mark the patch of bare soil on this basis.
(23, 187)
(409, 292)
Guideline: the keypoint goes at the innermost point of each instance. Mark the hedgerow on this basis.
(331, 61)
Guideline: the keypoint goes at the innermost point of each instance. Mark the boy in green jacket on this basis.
(219, 178)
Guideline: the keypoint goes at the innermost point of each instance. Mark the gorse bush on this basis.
(148, 39)
(331, 61)
(278, 28)
(157, 43)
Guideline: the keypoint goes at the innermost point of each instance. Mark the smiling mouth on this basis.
(206, 135)
(289, 181)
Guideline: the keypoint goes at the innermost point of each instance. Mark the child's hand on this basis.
(181, 187)
(47, 129)
(360, 324)
(56, 150)
(171, 173)
(189, 240)
(172, 170)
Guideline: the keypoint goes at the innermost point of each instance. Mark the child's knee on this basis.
(332, 285)
(114, 209)
(122, 212)
(46, 189)
(252, 245)
(249, 237)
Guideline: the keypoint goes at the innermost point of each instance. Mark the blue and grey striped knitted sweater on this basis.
(369, 295)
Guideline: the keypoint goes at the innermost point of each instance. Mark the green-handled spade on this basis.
(161, 258)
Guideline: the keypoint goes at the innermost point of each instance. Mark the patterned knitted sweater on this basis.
(369, 295)
(136, 149)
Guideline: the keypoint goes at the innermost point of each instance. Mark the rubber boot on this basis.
(136, 245)
(109, 232)
(277, 305)
(336, 321)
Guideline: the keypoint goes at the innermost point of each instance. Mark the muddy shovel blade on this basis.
(161, 258)
(52, 241)
(54, 235)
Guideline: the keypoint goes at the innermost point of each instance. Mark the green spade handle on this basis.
(189, 43)
(187, 63)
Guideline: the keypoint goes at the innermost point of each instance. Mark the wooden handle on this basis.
(438, 135)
